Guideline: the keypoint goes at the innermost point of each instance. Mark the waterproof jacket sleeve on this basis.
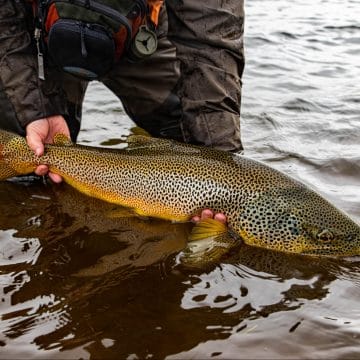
(21, 91)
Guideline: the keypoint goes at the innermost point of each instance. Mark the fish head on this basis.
(298, 220)
(334, 241)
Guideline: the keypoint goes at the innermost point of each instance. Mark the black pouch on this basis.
(82, 49)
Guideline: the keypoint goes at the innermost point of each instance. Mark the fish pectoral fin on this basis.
(62, 140)
(208, 242)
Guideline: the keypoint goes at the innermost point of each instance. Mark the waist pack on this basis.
(87, 37)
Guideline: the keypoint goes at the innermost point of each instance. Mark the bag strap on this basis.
(154, 10)
(99, 7)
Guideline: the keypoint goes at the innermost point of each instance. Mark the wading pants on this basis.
(188, 90)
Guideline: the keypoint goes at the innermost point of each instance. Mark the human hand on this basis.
(41, 132)
(209, 214)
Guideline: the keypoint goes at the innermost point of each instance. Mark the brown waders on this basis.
(189, 90)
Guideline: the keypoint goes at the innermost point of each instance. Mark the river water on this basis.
(77, 283)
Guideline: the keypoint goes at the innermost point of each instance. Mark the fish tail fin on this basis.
(6, 171)
(15, 156)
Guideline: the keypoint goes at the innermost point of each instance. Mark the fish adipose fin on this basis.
(208, 242)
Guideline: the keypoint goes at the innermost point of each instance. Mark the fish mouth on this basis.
(332, 250)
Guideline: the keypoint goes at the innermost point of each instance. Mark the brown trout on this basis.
(169, 180)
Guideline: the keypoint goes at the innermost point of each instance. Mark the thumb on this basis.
(35, 142)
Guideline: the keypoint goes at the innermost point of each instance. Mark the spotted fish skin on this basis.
(169, 180)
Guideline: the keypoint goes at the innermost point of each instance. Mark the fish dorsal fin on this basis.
(62, 140)
(141, 141)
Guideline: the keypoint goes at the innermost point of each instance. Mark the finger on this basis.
(41, 170)
(57, 125)
(195, 219)
(220, 217)
(207, 214)
(55, 178)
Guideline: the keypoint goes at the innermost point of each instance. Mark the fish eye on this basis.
(325, 235)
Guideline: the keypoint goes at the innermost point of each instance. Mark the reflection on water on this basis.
(80, 278)
(108, 286)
